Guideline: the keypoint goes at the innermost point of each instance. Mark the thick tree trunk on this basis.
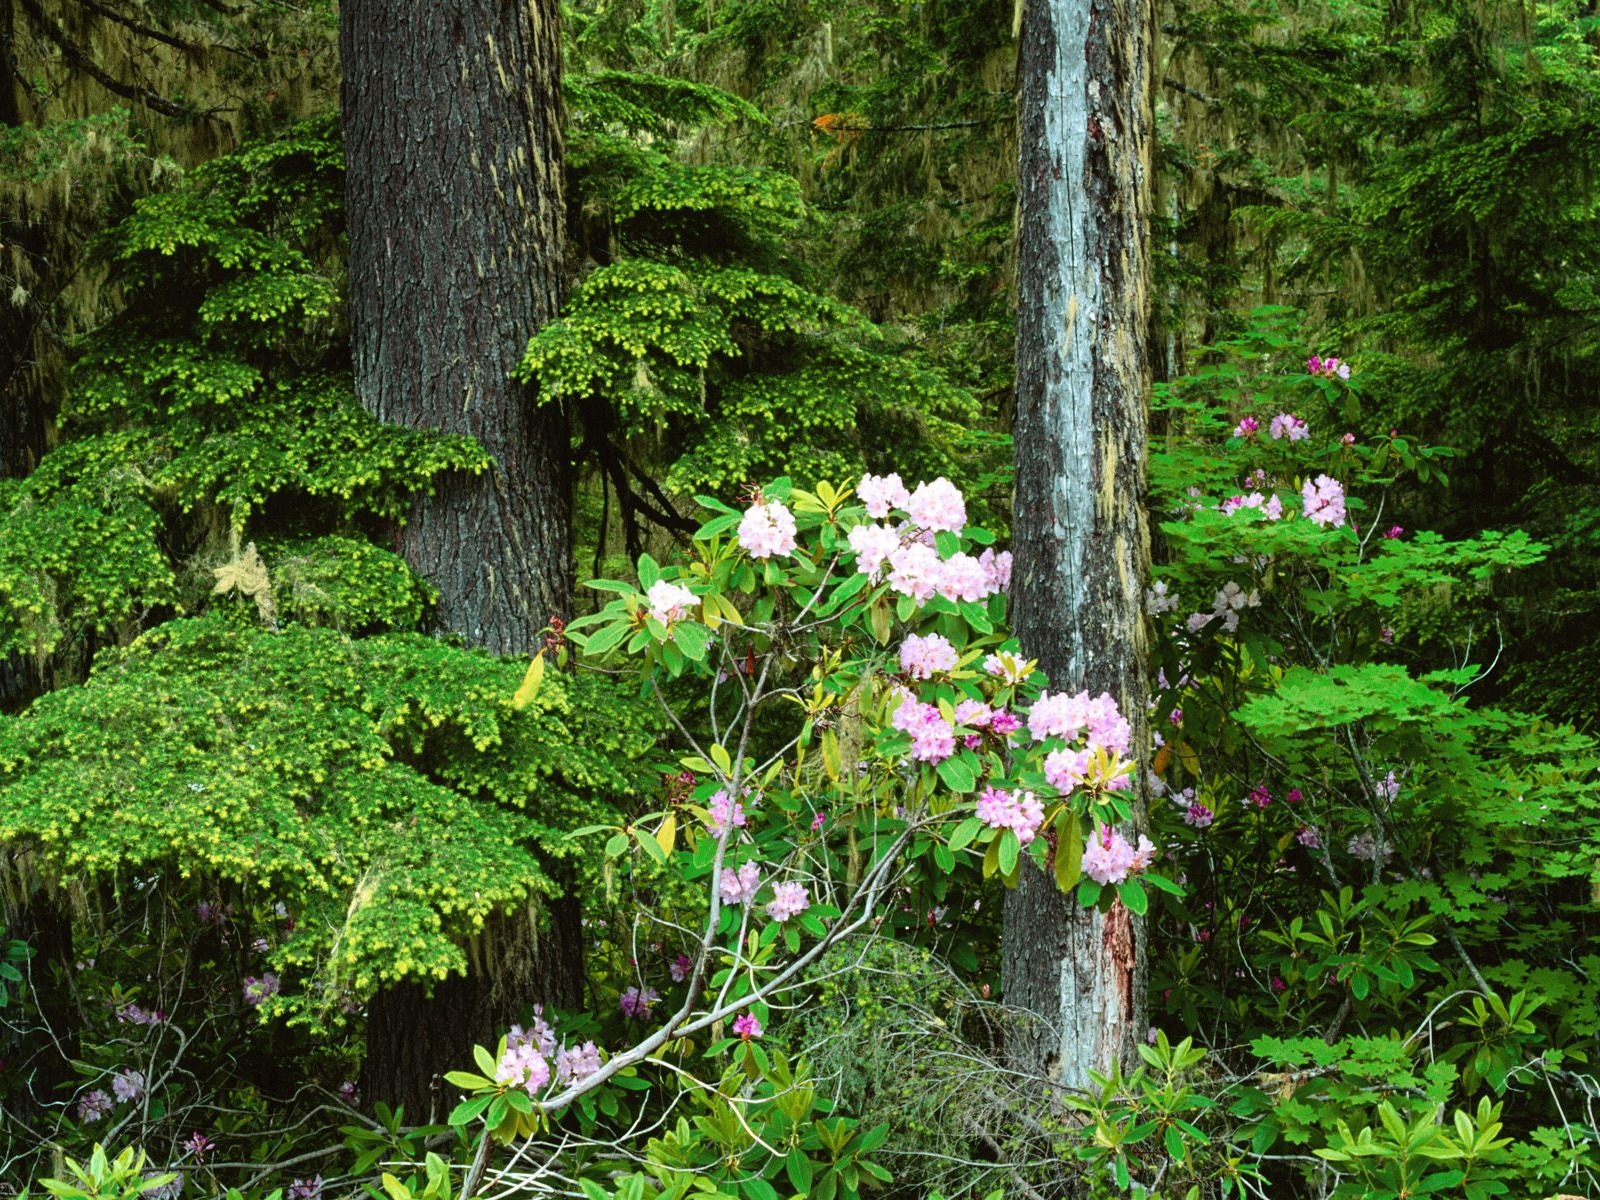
(452, 122)
(1081, 541)
(413, 1038)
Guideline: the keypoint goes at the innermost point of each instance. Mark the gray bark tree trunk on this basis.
(1082, 545)
(452, 122)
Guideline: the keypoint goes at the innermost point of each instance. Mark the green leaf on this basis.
(691, 638)
(964, 833)
(1010, 848)
(957, 774)
(1133, 895)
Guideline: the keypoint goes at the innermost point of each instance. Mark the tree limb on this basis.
(79, 59)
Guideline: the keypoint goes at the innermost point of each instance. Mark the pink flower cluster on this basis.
(788, 900)
(1287, 425)
(1328, 368)
(916, 570)
(1019, 812)
(1008, 667)
(933, 739)
(522, 1066)
(577, 1062)
(127, 1085)
(637, 1003)
(1061, 715)
(933, 506)
(94, 1105)
(725, 813)
(1228, 603)
(670, 602)
(766, 530)
(914, 567)
(922, 657)
(1324, 501)
(258, 991)
(1270, 506)
(1108, 858)
(739, 887)
(747, 1026)
(1247, 427)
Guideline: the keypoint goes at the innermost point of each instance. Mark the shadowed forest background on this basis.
(282, 841)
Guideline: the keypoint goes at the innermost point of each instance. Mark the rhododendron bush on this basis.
(850, 713)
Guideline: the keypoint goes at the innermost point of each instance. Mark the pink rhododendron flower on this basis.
(974, 714)
(872, 544)
(766, 530)
(923, 657)
(1287, 425)
(637, 1004)
(539, 1035)
(1058, 714)
(681, 968)
(1108, 858)
(1328, 368)
(257, 991)
(1269, 506)
(577, 1062)
(1260, 797)
(998, 569)
(817, 822)
(933, 739)
(880, 493)
(1248, 427)
(1019, 812)
(1324, 501)
(936, 506)
(94, 1105)
(670, 602)
(1387, 788)
(725, 812)
(1008, 667)
(747, 1026)
(198, 1144)
(1157, 599)
(739, 887)
(1393, 532)
(915, 571)
(127, 1085)
(1198, 815)
(523, 1066)
(1064, 770)
(1005, 723)
(962, 577)
(788, 900)
(1308, 837)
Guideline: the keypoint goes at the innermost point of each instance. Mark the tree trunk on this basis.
(414, 1037)
(1082, 547)
(452, 123)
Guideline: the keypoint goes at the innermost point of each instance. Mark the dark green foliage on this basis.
(385, 789)
(693, 344)
(220, 391)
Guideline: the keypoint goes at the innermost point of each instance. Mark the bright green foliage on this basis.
(218, 392)
(694, 339)
(385, 789)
